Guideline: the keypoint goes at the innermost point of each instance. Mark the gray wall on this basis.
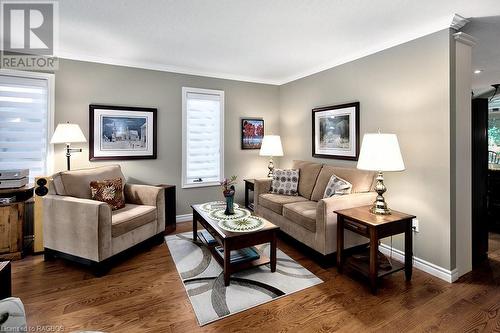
(403, 90)
(79, 84)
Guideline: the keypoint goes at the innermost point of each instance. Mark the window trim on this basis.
(220, 93)
(50, 78)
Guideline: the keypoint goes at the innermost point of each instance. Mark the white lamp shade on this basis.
(380, 152)
(68, 133)
(271, 146)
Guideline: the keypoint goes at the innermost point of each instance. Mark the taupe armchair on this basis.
(88, 231)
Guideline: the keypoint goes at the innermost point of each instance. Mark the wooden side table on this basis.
(5, 280)
(12, 221)
(362, 222)
(170, 208)
(249, 185)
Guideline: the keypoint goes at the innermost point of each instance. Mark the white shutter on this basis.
(24, 124)
(203, 114)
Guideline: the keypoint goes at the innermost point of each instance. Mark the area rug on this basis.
(204, 281)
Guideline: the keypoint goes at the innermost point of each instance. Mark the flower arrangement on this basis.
(228, 185)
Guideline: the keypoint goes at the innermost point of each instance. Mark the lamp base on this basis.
(379, 205)
(271, 168)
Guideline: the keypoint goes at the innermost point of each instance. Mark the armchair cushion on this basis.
(109, 191)
(131, 217)
(76, 183)
(275, 202)
(302, 213)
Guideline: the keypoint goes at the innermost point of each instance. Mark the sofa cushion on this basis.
(337, 186)
(361, 180)
(76, 183)
(285, 181)
(308, 174)
(275, 202)
(302, 213)
(131, 217)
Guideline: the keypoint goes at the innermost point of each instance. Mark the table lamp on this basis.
(68, 134)
(380, 152)
(271, 146)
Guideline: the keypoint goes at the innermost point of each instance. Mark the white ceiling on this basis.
(486, 53)
(269, 41)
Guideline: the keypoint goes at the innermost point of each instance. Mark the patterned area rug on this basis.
(204, 282)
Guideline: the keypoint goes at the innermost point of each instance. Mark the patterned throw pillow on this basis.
(109, 191)
(285, 182)
(337, 186)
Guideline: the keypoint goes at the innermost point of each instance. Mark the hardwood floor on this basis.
(145, 294)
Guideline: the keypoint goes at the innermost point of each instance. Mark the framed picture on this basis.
(252, 133)
(121, 133)
(335, 131)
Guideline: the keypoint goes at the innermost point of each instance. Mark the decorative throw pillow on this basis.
(109, 191)
(337, 186)
(285, 182)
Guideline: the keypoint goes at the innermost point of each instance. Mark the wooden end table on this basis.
(170, 208)
(375, 227)
(249, 186)
(235, 241)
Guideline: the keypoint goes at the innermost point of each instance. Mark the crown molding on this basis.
(458, 22)
(465, 38)
(162, 68)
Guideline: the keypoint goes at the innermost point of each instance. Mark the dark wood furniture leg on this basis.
(195, 225)
(5, 280)
(408, 251)
(272, 251)
(170, 208)
(227, 264)
(373, 260)
(340, 242)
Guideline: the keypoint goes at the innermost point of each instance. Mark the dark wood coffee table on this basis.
(235, 241)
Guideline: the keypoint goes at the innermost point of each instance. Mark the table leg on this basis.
(247, 200)
(227, 265)
(373, 260)
(195, 225)
(272, 251)
(340, 243)
(408, 251)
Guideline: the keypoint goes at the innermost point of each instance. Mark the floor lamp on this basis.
(68, 134)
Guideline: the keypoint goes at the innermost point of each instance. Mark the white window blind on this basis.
(203, 139)
(24, 125)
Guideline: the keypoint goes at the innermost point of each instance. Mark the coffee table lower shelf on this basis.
(235, 267)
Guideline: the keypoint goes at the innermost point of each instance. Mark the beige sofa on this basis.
(308, 217)
(88, 231)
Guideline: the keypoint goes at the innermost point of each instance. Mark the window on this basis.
(202, 137)
(25, 121)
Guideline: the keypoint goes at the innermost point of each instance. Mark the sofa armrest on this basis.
(260, 186)
(150, 196)
(80, 227)
(326, 219)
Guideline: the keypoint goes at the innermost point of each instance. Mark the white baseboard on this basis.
(183, 218)
(432, 269)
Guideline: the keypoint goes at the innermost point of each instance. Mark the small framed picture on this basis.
(121, 133)
(335, 131)
(252, 133)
